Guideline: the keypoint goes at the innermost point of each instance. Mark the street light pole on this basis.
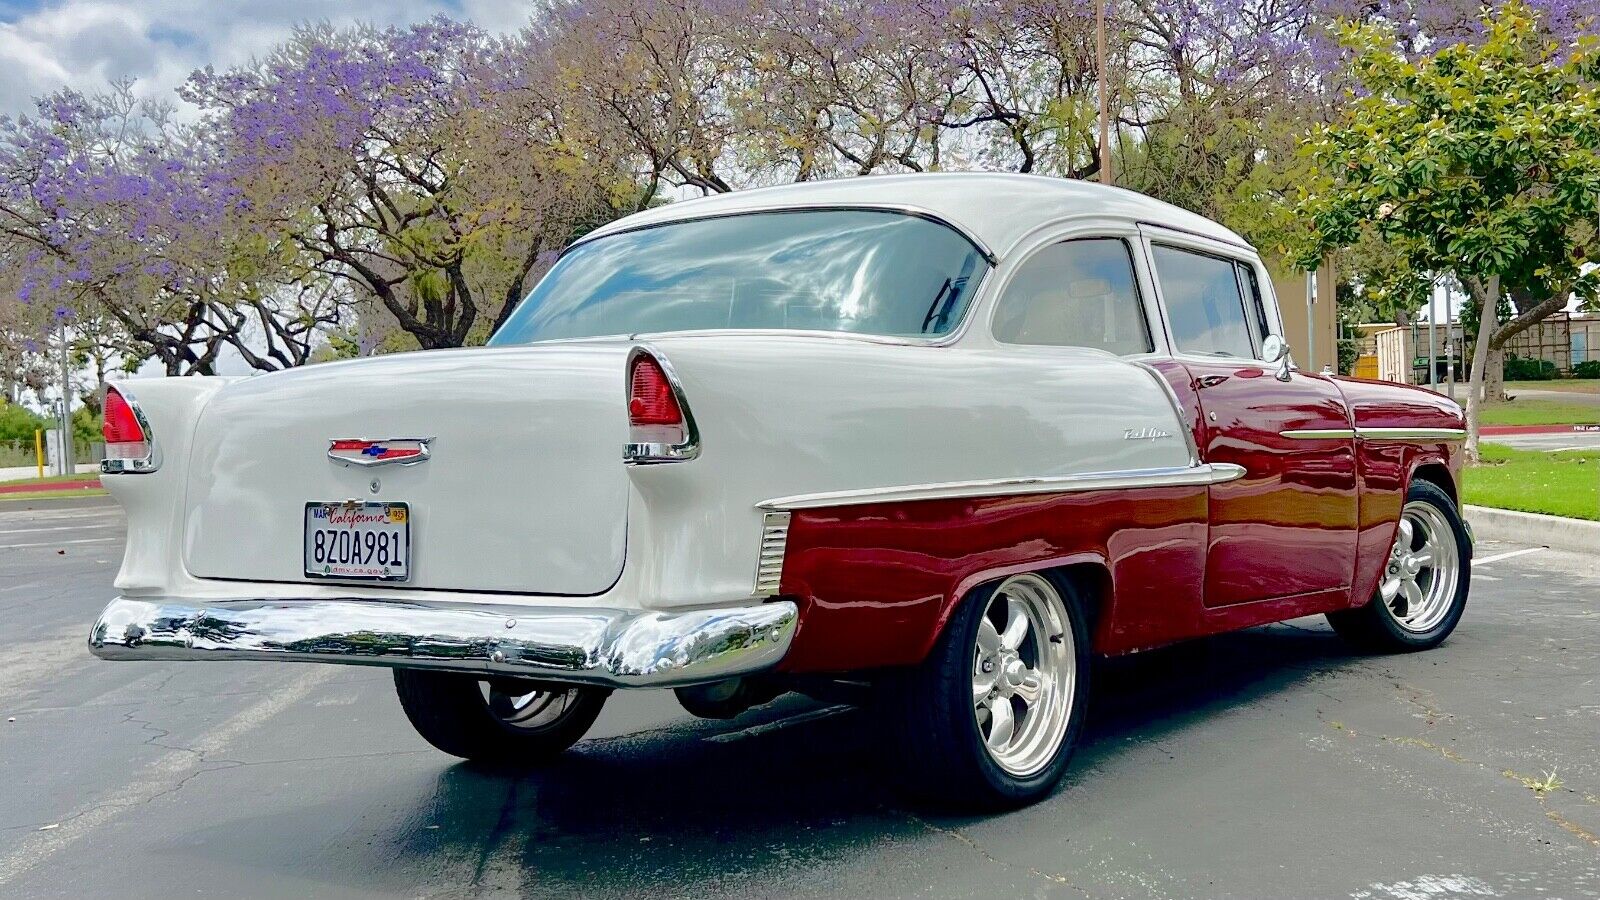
(1107, 175)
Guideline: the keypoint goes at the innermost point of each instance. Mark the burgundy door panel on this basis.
(1288, 528)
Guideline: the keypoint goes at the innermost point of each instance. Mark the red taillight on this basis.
(650, 397)
(126, 439)
(121, 425)
(660, 428)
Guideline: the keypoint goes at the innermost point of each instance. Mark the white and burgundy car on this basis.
(942, 435)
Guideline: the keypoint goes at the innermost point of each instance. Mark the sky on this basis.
(48, 44)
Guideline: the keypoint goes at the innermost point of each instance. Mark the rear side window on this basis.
(1204, 305)
(1075, 294)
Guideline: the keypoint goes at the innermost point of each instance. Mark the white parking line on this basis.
(163, 776)
(58, 543)
(58, 528)
(1485, 560)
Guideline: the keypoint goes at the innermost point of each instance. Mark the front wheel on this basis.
(990, 719)
(1425, 579)
(496, 721)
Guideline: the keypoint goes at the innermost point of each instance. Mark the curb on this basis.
(50, 486)
(1557, 532)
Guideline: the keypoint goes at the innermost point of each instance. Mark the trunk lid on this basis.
(523, 490)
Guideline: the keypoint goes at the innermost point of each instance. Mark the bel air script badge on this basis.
(363, 452)
(1144, 434)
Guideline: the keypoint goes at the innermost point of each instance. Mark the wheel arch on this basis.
(1436, 473)
(1087, 573)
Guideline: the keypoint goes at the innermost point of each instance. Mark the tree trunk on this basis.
(1494, 377)
(1488, 297)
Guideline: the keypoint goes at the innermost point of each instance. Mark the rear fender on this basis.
(153, 501)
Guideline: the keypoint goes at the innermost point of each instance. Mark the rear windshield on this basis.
(860, 271)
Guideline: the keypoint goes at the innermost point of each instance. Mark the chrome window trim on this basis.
(768, 208)
(957, 331)
(142, 465)
(1171, 476)
(646, 454)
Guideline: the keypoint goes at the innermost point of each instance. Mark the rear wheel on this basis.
(990, 719)
(498, 721)
(1425, 579)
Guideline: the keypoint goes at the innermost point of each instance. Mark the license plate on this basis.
(368, 541)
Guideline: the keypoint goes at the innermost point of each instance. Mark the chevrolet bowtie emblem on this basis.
(363, 452)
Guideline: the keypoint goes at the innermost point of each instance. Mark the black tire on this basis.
(942, 756)
(451, 712)
(1376, 627)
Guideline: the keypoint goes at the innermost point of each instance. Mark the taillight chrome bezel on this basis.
(644, 452)
(137, 465)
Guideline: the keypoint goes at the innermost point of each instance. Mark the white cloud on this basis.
(85, 43)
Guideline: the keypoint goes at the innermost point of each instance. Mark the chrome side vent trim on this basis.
(774, 541)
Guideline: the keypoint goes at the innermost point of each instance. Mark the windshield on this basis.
(860, 271)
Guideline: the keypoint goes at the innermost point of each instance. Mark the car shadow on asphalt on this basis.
(788, 786)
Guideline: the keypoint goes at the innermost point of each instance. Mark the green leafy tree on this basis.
(1480, 161)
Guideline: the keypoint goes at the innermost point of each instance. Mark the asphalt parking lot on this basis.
(1269, 763)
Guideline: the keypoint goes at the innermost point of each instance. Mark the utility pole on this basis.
(66, 458)
(1107, 175)
(1433, 336)
(1311, 319)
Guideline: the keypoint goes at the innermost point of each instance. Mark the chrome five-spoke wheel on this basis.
(1419, 581)
(1023, 674)
(990, 718)
(1422, 587)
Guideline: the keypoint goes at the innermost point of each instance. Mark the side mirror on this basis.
(1275, 350)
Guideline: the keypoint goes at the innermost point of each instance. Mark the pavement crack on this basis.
(961, 836)
(1540, 791)
(498, 834)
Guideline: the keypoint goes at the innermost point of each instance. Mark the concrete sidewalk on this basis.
(16, 473)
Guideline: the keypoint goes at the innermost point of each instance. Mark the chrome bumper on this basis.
(616, 648)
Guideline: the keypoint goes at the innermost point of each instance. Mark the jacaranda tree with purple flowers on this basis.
(379, 157)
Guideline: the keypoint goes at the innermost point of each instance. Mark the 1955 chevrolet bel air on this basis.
(942, 437)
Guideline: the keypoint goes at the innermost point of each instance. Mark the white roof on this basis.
(995, 209)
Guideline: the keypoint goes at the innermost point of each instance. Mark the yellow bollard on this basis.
(38, 449)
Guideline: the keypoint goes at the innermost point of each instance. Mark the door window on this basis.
(1204, 305)
(1079, 293)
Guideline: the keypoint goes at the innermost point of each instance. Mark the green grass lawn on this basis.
(1571, 385)
(1540, 411)
(1558, 484)
(52, 495)
(51, 479)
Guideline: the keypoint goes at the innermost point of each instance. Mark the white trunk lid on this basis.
(523, 489)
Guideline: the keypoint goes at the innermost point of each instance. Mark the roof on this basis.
(994, 209)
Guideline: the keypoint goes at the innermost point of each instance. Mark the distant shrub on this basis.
(17, 423)
(1588, 369)
(1519, 369)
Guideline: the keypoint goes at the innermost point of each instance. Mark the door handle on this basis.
(1206, 381)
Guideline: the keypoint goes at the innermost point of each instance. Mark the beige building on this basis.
(1310, 327)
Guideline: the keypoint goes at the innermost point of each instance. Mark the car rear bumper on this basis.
(616, 648)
